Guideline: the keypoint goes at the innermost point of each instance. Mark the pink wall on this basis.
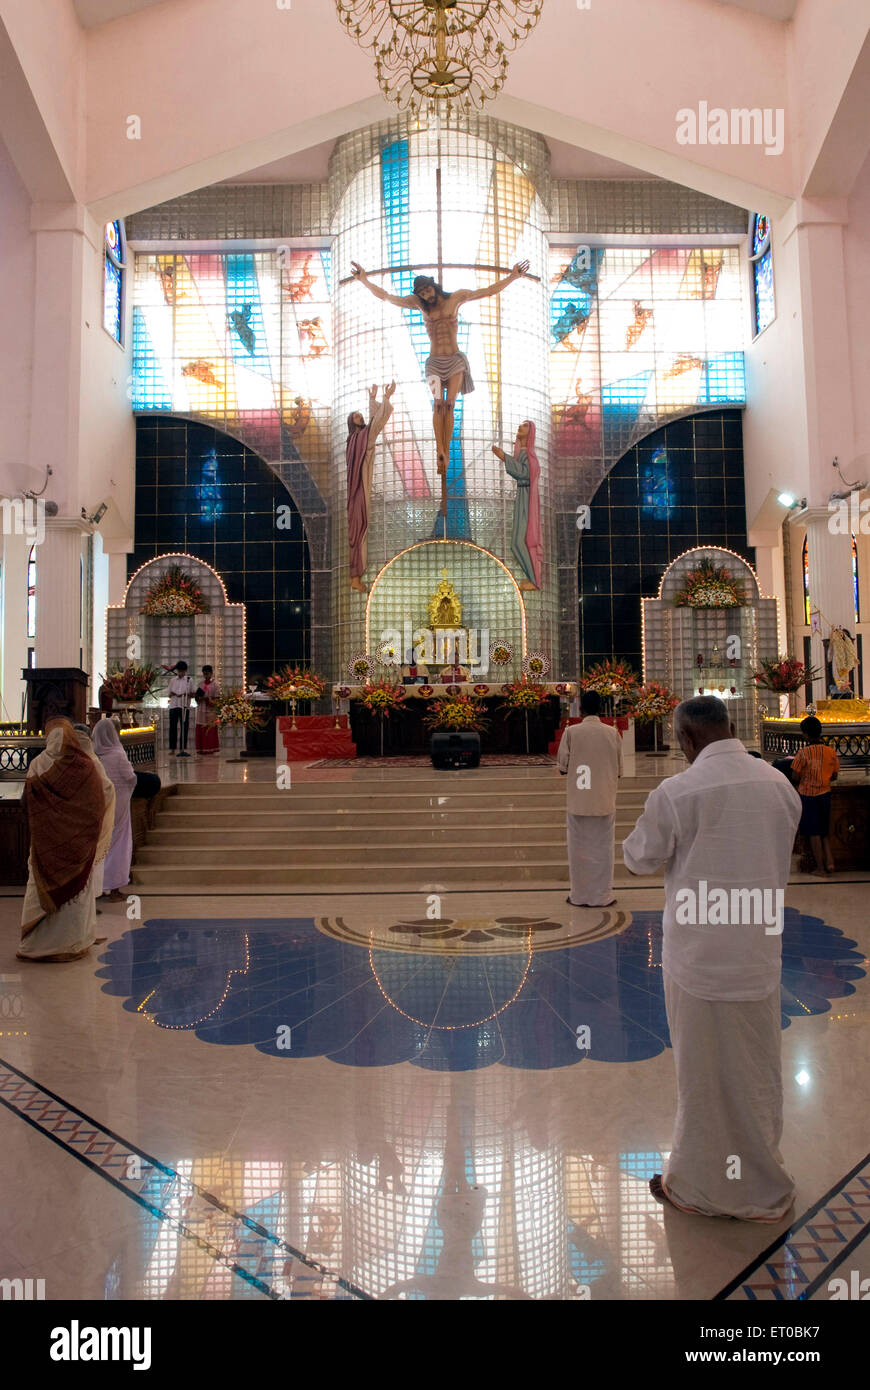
(16, 343)
(857, 240)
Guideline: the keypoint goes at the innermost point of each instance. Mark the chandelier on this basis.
(440, 54)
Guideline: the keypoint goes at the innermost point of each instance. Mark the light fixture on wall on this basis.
(788, 499)
(97, 516)
(438, 55)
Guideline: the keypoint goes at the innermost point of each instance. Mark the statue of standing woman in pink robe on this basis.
(527, 546)
(361, 441)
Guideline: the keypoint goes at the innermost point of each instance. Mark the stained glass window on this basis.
(855, 580)
(113, 282)
(761, 262)
(31, 592)
(805, 573)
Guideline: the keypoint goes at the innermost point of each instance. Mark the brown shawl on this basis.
(65, 806)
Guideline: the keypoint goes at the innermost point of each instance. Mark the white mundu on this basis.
(728, 821)
(590, 754)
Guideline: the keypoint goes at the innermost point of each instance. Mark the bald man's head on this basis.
(700, 721)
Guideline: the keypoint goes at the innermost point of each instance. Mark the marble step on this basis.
(288, 804)
(390, 786)
(280, 835)
(483, 875)
(185, 855)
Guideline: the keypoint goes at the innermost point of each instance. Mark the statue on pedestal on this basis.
(527, 545)
(360, 449)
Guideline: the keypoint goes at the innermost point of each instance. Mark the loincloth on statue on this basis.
(441, 369)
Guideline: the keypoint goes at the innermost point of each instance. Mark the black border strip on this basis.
(792, 1232)
(164, 1216)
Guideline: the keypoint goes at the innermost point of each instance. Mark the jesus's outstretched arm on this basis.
(462, 296)
(404, 301)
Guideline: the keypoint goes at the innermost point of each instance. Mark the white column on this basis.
(58, 593)
(15, 552)
(830, 561)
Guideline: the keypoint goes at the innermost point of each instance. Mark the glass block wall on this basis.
(447, 203)
(277, 345)
(202, 493)
(637, 335)
(679, 488)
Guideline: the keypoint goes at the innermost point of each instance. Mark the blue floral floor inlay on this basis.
(288, 990)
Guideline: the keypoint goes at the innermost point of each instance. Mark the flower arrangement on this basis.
(382, 697)
(653, 701)
(784, 676)
(536, 665)
(710, 586)
(610, 677)
(360, 667)
(388, 654)
(295, 683)
(174, 595)
(524, 694)
(234, 707)
(457, 712)
(501, 653)
(133, 682)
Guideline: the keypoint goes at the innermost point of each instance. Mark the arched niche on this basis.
(216, 637)
(730, 642)
(492, 605)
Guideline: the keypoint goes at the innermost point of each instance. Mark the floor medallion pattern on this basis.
(290, 991)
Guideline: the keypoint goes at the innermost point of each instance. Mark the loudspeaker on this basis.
(455, 749)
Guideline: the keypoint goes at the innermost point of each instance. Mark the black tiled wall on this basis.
(227, 518)
(680, 487)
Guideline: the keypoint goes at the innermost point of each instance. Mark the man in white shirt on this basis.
(724, 830)
(590, 755)
(180, 696)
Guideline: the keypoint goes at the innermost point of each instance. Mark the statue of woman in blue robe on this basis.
(526, 538)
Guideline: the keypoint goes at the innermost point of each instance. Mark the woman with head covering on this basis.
(70, 805)
(526, 541)
(107, 746)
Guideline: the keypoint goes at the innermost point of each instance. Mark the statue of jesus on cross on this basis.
(447, 369)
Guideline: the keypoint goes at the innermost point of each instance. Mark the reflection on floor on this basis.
(293, 993)
(365, 1095)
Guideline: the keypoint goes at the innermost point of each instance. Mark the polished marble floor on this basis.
(346, 1097)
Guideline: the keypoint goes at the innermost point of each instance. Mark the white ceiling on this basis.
(774, 9)
(94, 12)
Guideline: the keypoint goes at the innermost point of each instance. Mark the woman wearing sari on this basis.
(206, 729)
(70, 806)
(527, 545)
(116, 764)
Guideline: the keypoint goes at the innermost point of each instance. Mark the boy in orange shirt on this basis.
(817, 766)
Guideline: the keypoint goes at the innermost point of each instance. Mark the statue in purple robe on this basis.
(361, 441)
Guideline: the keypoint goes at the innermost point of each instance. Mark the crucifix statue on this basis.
(447, 369)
